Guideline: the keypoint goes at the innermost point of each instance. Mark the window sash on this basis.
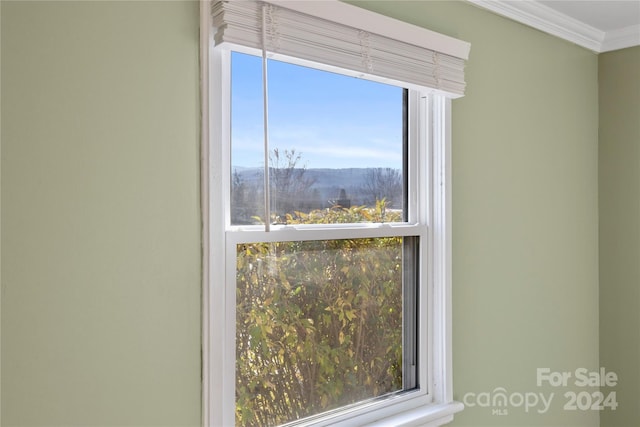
(409, 105)
(417, 212)
(415, 165)
(368, 410)
(411, 341)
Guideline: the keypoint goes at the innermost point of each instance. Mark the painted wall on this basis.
(525, 211)
(100, 219)
(100, 243)
(619, 162)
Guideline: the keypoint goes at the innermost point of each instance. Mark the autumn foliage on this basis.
(318, 323)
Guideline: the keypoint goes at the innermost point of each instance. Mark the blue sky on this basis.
(334, 121)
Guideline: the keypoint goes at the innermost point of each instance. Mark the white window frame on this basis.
(433, 404)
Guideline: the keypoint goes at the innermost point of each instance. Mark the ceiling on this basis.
(603, 15)
(599, 25)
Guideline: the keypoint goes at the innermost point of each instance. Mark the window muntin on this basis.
(335, 140)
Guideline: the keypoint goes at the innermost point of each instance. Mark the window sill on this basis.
(427, 416)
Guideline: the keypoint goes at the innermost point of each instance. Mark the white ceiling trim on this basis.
(546, 19)
(621, 38)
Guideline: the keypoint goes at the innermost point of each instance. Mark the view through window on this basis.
(320, 324)
(334, 141)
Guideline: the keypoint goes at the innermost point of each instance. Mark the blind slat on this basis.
(296, 34)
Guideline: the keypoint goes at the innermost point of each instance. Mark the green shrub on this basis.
(318, 323)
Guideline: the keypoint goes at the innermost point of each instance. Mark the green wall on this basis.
(525, 210)
(100, 219)
(100, 215)
(619, 161)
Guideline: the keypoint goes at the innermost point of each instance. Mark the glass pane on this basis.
(319, 325)
(336, 142)
(247, 140)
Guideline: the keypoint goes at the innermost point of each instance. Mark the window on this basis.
(323, 320)
(326, 294)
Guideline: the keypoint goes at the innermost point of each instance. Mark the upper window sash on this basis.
(357, 148)
(417, 167)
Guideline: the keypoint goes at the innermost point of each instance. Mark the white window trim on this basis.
(215, 354)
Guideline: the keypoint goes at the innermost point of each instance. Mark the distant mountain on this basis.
(328, 182)
(344, 187)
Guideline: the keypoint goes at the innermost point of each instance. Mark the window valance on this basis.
(345, 36)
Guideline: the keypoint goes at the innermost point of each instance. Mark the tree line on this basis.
(292, 188)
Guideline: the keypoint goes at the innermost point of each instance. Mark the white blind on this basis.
(307, 36)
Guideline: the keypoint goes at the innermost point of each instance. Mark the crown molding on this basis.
(546, 19)
(621, 38)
